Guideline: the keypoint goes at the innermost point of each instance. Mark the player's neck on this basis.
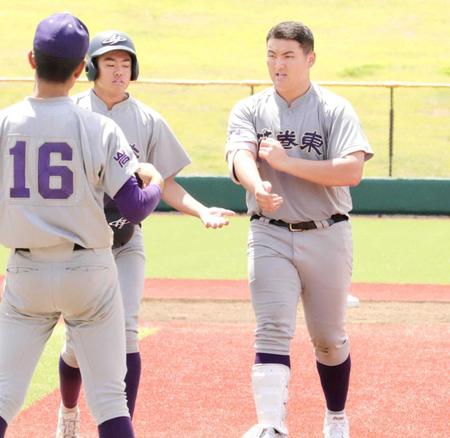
(44, 89)
(291, 95)
(110, 99)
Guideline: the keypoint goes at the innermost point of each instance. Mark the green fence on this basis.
(371, 196)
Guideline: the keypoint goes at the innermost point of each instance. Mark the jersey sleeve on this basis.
(166, 153)
(241, 135)
(346, 134)
(121, 162)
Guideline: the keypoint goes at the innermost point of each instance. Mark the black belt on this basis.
(302, 226)
(76, 247)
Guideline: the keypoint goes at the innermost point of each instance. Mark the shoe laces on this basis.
(70, 425)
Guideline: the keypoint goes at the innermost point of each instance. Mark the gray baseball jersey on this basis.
(316, 264)
(57, 161)
(152, 140)
(48, 161)
(319, 125)
(148, 133)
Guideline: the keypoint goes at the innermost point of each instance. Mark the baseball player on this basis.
(296, 148)
(57, 161)
(112, 63)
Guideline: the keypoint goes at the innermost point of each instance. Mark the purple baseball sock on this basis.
(335, 381)
(3, 426)
(273, 358)
(69, 383)
(119, 427)
(132, 380)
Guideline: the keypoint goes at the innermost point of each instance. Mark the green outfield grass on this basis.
(355, 41)
(386, 250)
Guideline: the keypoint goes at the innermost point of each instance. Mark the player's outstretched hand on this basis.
(267, 201)
(215, 217)
(149, 174)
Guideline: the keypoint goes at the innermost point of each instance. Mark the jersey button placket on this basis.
(287, 134)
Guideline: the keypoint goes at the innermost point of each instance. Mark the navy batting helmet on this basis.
(123, 230)
(108, 41)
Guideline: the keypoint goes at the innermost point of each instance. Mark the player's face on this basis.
(289, 67)
(114, 71)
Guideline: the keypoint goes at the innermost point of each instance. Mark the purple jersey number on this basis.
(45, 171)
(19, 190)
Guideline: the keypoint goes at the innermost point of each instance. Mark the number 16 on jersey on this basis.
(45, 171)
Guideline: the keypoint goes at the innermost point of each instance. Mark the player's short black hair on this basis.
(53, 69)
(293, 30)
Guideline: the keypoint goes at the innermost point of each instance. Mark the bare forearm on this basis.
(179, 199)
(345, 171)
(246, 170)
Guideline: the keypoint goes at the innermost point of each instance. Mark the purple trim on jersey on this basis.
(335, 382)
(273, 358)
(69, 383)
(134, 203)
(119, 427)
(132, 380)
(3, 426)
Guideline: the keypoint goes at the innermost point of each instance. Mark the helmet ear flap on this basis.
(91, 69)
(134, 69)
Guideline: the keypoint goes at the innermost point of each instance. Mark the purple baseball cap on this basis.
(62, 35)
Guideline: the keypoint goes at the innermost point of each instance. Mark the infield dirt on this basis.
(228, 311)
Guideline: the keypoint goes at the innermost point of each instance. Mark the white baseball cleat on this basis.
(68, 424)
(258, 431)
(352, 301)
(336, 426)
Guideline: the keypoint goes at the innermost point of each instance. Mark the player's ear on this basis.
(79, 69)
(31, 60)
(311, 58)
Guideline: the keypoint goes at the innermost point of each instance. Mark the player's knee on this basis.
(331, 351)
(105, 406)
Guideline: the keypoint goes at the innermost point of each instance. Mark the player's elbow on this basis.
(350, 178)
(354, 180)
(134, 203)
(354, 169)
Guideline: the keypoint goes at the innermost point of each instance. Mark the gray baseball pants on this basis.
(130, 263)
(313, 265)
(82, 287)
